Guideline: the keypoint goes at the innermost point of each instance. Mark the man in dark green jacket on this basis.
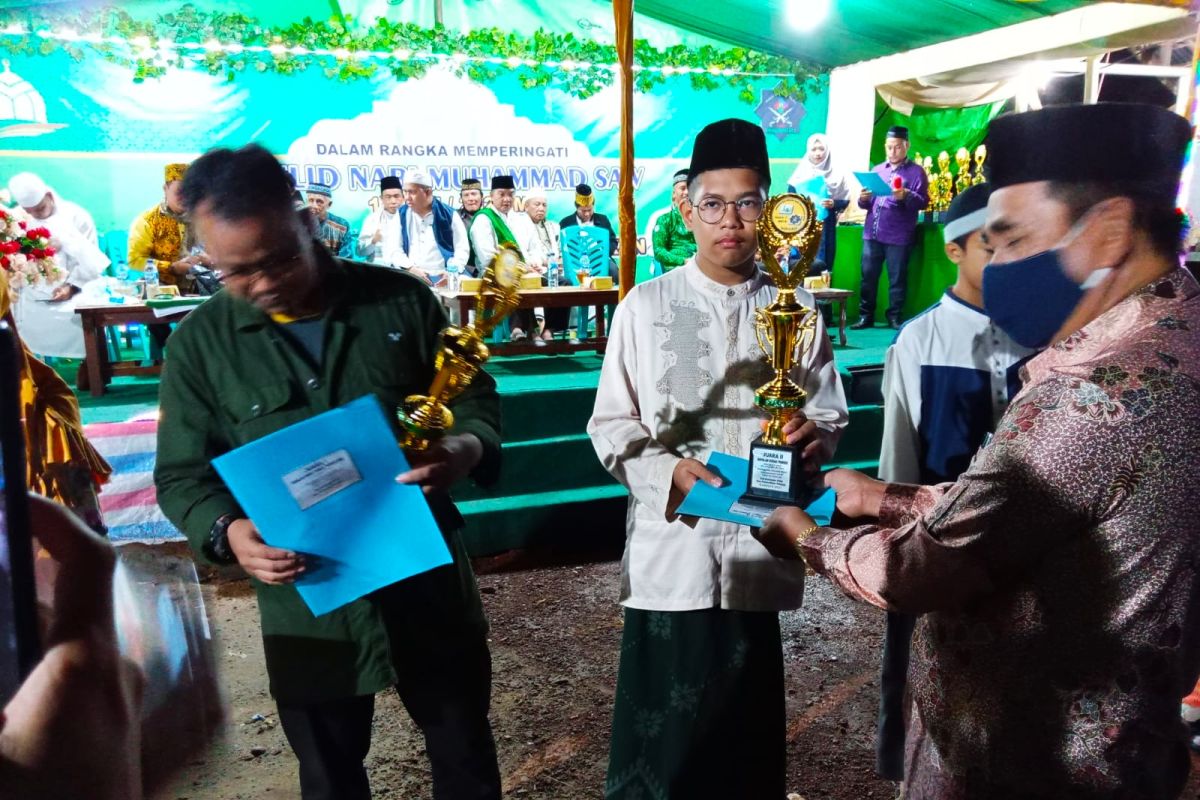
(297, 332)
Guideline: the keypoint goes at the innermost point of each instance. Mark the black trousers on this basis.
(874, 255)
(447, 695)
(893, 685)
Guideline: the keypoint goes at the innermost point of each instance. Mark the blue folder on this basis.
(713, 503)
(816, 190)
(874, 183)
(325, 487)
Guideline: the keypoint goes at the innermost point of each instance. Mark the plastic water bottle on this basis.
(452, 281)
(151, 277)
(121, 271)
(552, 273)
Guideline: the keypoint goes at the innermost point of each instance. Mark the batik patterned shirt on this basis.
(1058, 576)
(162, 235)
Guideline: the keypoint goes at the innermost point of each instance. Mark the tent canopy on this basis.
(856, 30)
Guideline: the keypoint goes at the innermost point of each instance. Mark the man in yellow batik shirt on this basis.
(161, 234)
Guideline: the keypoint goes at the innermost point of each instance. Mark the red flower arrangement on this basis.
(27, 253)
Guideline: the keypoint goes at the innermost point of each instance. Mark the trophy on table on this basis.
(425, 418)
(931, 183)
(785, 331)
(980, 157)
(945, 181)
(963, 158)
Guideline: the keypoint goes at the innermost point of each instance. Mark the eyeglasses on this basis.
(712, 210)
(271, 264)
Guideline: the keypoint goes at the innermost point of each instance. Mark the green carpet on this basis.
(552, 490)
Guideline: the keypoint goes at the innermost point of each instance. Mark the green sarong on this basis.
(699, 711)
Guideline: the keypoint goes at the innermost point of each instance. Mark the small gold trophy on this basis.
(785, 332)
(963, 158)
(930, 183)
(945, 181)
(980, 157)
(425, 418)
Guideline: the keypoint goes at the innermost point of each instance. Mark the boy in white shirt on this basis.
(699, 710)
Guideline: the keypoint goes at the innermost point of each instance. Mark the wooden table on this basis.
(834, 297)
(95, 320)
(558, 297)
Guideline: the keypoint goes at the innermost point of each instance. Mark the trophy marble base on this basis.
(776, 477)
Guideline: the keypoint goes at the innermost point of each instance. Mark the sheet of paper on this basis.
(873, 182)
(326, 487)
(170, 311)
(725, 503)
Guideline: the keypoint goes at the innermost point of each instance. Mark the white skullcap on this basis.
(27, 189)
(536, 193)
(418, 177)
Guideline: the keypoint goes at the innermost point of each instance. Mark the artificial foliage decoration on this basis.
(229, 43)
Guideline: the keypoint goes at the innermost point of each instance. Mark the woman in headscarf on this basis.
(819, 163)
(62, 464)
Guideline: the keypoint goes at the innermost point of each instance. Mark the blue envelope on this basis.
(326, 487)
(723, 503)
(874, 183)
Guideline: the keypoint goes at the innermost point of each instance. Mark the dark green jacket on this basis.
(232, 377)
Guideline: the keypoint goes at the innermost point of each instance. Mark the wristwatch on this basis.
(217, 547)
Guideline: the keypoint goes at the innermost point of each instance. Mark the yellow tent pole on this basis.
(626, 216)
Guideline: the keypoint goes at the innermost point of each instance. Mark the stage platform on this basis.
(553, 493)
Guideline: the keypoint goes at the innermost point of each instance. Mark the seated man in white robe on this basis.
(46, 314)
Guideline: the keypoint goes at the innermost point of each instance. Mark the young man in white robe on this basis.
(699, 710)
(379, 240)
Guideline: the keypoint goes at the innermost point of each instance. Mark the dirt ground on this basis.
(555, 639)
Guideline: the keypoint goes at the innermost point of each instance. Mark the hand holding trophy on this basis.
(426, 417)
(786, 330)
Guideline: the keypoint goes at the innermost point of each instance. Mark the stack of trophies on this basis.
(943, 185)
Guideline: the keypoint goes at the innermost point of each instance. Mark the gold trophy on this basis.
(785, 332)
(425, 418)
(963, 158)
(931, 182)
(945, 181)
(980, 157)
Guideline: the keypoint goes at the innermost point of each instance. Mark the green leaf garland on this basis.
(227, 44)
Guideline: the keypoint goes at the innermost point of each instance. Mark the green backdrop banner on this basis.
(929, 271)
(101, 140)
(932, 130)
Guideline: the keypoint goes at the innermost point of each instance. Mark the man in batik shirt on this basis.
(332, 231)
(162, 235)
(1058, 576)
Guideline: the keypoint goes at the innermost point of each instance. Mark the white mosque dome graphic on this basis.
(22, 108)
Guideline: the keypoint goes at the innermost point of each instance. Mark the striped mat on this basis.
(128, 501)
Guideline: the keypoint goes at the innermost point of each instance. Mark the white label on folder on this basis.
(771, 470)
(321, 479)
(756, 511)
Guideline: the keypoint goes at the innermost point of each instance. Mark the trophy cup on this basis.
(963, 182)
(425, 418)
(980, 157)
(932, 184)
(785, 331)
(945, 181)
